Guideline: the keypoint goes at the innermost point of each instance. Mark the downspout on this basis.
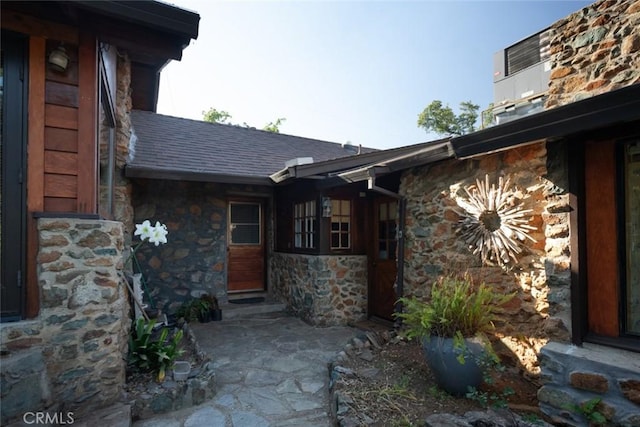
(402, 204)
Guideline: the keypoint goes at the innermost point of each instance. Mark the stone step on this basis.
(242, 311)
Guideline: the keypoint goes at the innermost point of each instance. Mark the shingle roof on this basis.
(175, 147)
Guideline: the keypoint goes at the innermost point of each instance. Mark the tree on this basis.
(274, 126)
(223, 117)
(442, 120)
(216, 116)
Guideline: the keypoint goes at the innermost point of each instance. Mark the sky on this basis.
(346, 71)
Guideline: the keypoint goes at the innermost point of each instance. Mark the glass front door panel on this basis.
(632, 193)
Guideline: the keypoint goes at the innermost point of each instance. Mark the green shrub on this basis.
(456, 308)
(150, 351)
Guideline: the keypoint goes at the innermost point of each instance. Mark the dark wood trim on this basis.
(577, 236)
(88, 180)
(72, 215)
(35, 167)
(603, 287)
(26, 24)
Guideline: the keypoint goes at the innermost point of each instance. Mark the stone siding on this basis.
(323, 290)
(72, 357)
(573, 376)
(595, 50)
(540, 309)
(194, 260)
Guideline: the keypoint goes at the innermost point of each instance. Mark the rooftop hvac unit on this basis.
(521, 78)
(522, 70)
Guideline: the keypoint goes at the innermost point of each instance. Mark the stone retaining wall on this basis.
(321, 289)
(72, 357)
(574, 376)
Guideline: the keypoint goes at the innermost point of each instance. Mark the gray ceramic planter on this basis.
(451, 375)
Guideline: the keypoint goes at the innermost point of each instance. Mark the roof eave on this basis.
(618, 106)
(180, 175)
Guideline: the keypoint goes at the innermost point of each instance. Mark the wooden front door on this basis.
(246, 264)
(383, 268)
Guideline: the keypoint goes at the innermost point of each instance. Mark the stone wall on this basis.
(575, 376)
(72, 358)
(193, 260)
(595, 50)
(321, 289)
(540, 278)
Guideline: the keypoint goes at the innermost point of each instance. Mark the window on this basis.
(304, 219)
(13, 160)
(106, 129)
(387, 239)
(340, 224)
(631, 289)
(245, 223)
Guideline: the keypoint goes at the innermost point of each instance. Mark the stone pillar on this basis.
(84, 322)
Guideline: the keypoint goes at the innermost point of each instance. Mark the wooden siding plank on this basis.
(61, 94)
(58, 139)
(35, 166)
(26, 24)
(60, 185)
(601, 232)
(87, 129)
(58, 162)
(60, 117)
(60, 204)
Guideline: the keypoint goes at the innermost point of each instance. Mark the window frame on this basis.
(107, 121)
(339, 232)
(305, 224)
(15, 50)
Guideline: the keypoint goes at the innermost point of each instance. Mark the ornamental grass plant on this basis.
(456, 308)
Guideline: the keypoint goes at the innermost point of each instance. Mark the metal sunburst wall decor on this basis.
(494, 222)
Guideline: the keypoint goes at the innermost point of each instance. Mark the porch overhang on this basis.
(348, 169)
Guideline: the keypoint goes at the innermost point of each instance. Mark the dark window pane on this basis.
(392, 250)
(382, 229)
(245, 234)
(345, 240)
(335, 240)
(245, 213)
(345, 227)
(335, 226)
(382, 250)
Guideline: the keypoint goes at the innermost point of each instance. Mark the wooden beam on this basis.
(87, 124)
(26, 24)
(35, 167)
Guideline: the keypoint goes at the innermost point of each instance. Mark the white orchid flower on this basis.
(158, 234)
(144, 230)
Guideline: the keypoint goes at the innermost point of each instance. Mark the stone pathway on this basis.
(269, 372)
